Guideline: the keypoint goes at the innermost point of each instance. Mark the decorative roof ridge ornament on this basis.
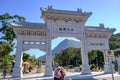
(50, 8)
(101, 25)
(88, 13)
(79, 10)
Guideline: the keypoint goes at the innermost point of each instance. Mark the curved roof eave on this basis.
(28, 25)
(94, 28)
(78, 12)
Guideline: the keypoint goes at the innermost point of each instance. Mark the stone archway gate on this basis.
(60, 23)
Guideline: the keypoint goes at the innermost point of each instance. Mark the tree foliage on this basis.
(6, 45)
(31, 59)
(69, 56)
(96, 59)
(114, 41)
(72, 56)
(5, 48)
(6, 29)
(5, 57)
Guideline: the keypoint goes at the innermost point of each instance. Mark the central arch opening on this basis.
(61, 44)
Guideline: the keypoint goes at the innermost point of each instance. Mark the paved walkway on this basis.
(69, 76)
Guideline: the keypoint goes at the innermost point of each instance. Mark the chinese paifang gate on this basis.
(60, 23)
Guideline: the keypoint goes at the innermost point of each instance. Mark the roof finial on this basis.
(101, 25)
(79, 10)
(50, 7)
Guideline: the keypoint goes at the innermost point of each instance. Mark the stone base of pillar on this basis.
(85, 70)
(17, 72)
(107, 68)
(48, 71)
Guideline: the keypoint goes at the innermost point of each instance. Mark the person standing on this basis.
(57, 74)
(4, 73)
(62, 72)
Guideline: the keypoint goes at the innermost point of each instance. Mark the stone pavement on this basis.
(69, 76)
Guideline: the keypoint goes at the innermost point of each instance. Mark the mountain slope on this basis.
(63, 45)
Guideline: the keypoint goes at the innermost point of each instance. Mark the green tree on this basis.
(5, 48)
(76, 61)
(114, 41)
(72, 56)
(100, 59)
(6, 45)
(31, 59)
(6, 29)
(5, 57)
(69, 56)
(26, 57)
(92, 55)
(96, 59)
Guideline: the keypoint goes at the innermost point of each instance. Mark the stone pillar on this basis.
(17, 70)
(48, 66)
(84, 52)
(107, 68)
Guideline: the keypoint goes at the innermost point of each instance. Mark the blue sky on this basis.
(104, 11)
